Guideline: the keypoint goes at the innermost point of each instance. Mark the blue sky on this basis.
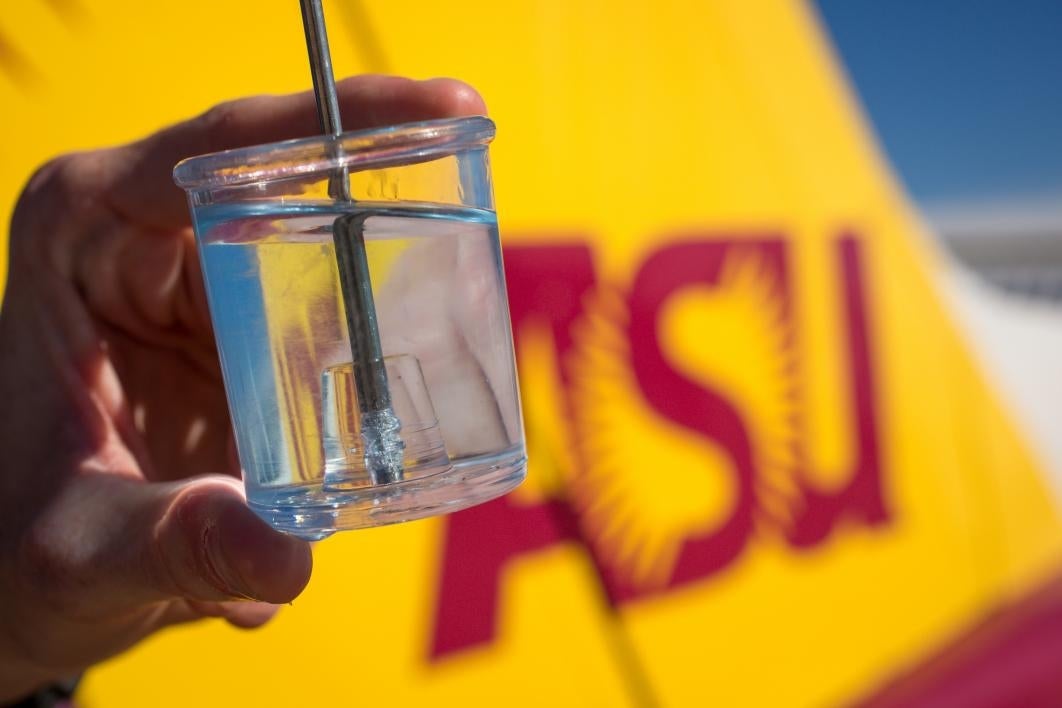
(965, 95)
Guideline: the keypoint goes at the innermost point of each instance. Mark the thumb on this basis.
(203, 542)
(114, 542)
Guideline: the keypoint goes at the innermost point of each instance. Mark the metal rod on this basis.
(379, 425)
(324, 86)
(324, 82)
(383, 447)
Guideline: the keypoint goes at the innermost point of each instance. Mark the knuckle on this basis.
(43, 186)
(63, 176)
(218, 120)
(53, 172)
(62, 191)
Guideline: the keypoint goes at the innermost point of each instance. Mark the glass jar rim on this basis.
(354, 151)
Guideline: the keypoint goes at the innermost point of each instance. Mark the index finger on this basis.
(138, 176)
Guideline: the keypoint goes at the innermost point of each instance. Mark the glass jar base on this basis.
(313, 515)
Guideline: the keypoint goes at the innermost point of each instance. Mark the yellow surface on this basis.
(628, 127)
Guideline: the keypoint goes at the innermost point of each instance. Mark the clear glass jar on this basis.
(331, 436)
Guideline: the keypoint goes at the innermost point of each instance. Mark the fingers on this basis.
(242, 614)
(245, 615)
(139, 175)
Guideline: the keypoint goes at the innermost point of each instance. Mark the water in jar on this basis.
(277, 307)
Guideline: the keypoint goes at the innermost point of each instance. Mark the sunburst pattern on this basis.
(646, 483)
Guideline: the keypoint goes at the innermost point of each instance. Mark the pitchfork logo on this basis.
(680, 432)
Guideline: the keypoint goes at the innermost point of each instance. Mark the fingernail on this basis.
(256, 562)
(224, 546)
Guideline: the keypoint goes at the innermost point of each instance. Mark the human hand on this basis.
(120, 511)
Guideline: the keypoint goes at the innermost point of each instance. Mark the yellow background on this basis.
(627, 122)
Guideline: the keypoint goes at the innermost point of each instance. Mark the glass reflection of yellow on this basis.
(299, 295)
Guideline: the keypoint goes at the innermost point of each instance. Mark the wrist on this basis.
(58, 694)
(18, 679)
